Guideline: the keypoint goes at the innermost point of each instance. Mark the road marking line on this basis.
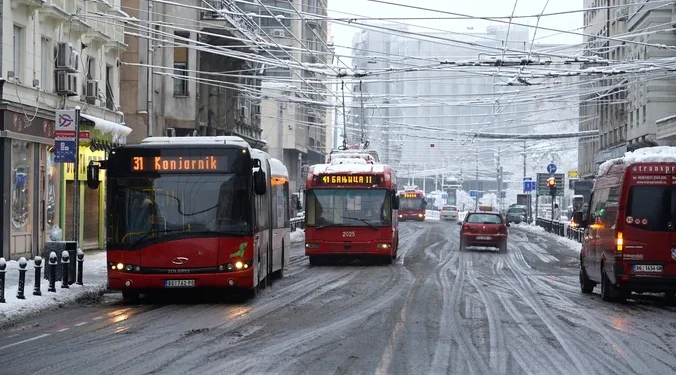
(98, 318)
(25, 341)
(81, 324)
(63, 329)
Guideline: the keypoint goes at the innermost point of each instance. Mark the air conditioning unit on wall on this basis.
(66, 83)
(92, 91)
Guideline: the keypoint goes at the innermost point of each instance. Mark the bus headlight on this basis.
(235, 266)
(384, 246)
(121, 267)
(420, 215)
(311, 245)
(239, 265)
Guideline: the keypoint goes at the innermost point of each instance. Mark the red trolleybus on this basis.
(412, 204)
(192, 212)
(351, 211)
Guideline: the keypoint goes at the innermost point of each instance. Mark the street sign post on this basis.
(64, 151)
(551, 168)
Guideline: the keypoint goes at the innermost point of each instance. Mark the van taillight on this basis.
(620, 242)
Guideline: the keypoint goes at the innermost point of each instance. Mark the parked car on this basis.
(517, 214)
(484, 229)
(449, 212)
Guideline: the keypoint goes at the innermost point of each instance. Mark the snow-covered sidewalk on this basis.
(94, 280)
(573, 245)
(298, 236)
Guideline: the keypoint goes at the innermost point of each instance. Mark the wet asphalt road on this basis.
(436, 311)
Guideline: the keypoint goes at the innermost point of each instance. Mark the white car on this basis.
(449, 213)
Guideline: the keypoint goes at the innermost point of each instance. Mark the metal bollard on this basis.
(80, 265)
(65, 260)
(52, 272)
(3, 269)
(37, 263)
(22, 278)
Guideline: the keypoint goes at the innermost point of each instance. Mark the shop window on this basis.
(52, 185)
(21, 186)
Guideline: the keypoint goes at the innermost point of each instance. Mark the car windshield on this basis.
(177, 205)
(349, 207)
(450, 208)
(411, 204)
(484, 219)
(516, 211)
(652, 207)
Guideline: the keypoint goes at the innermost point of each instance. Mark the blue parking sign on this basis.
(64, 152)
(473, 193)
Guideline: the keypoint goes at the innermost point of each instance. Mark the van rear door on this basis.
(649, 231)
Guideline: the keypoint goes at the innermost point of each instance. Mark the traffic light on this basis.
(551, 182)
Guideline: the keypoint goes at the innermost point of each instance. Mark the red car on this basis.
(484, 229)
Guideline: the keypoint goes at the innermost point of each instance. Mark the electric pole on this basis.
(476, 202)
(361, 102)
(150, 70)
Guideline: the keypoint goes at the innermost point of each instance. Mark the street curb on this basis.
(96, 293)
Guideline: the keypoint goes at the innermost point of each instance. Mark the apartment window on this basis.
(644, 114)
(45, 63)
(181, 64)
(91, 68)
(17, 52)
(110, 99)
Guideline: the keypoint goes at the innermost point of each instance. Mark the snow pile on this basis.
(657, 154)
(573, 245)
(298, 235)
(94, 278)
(432, 215)
(463, 200)
(461, 215)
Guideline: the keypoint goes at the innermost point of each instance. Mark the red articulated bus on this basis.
(412, 204)
(194, 212)
(630, 229)
(351, 210)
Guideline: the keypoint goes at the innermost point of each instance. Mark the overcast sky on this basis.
(479, 8)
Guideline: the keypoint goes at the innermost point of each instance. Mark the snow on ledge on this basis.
(573, 245)
(657, 154)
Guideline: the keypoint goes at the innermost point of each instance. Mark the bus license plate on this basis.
(651, 268)
(484, 238)
(179, 283)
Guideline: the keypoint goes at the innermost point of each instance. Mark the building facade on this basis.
(56, 54)
(626, 110)
(294, 118)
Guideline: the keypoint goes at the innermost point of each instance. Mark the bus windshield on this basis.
(349, 207)
(411, 204)
(171, 206)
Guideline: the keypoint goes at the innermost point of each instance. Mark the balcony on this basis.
(224, 17)
(54, 10)
(30, 5)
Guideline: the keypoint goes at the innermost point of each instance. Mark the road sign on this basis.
(551, 168)
(572, 174)
(69, 135)
(529, 185)
(543, 187)
(503, 194)
(444, 195)
(473, 193)
(65, 119)
(64, 151)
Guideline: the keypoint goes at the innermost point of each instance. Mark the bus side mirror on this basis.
(395, 200)
(578, 218)
(260, 183)
(92, 176)
(299, 206)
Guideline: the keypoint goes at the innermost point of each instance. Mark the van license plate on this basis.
(179, 283)
(651, 268)
(484, 238)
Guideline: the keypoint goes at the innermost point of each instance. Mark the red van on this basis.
(630, 229)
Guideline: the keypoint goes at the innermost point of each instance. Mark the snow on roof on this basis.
(348, 168)
(658, 154)
(277, 168)
(221, 139)
(348, 161)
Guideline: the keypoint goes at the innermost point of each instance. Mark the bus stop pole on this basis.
(76, 182)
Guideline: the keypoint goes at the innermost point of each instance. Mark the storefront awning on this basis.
(104, 130)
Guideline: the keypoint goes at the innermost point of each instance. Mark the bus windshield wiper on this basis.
(167, 231)
(360, 219)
